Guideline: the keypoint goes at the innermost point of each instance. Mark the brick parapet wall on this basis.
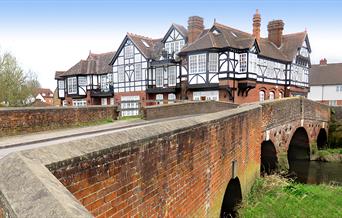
(26, 120)
(178, 173)
(167, 169)
(186, 108)
(282, 111)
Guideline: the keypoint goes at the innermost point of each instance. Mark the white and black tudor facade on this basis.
(219, 63)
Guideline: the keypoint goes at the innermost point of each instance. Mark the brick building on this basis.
(44, 96)
(326, 83)
(215, 63)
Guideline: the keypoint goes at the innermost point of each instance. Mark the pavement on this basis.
(33, 140)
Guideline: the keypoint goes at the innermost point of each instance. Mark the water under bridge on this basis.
(198, 166)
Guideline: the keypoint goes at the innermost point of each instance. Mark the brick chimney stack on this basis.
(195, 28)
(256, 25)
(323, 62)
(275, 31)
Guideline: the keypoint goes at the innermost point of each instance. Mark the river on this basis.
(316, 172)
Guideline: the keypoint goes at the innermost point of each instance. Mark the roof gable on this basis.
(179, 28)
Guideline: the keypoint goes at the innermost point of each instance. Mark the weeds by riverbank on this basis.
(274, 196)
(328, 155)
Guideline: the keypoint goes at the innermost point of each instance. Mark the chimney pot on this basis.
(256, 25)
(275, 31)
(195, 28)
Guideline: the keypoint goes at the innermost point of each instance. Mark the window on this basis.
(103, 101)
(64, 103)
(137, 69)
(175, 46)
(193, 64)
(261, 96)
(201, 63)
(110, 77)
(121, 74)
(103, 82)
(159, 77)
(243, 62)
(332, 102)
(129, 51)
(82, 81)
(130, 105)
(72, 85)
(271, 95)
(61, 84)
(213, 62)
(159, 98)
(339, 88)
(171, 98)
(79, 103)
(172, 76)
(206, 96)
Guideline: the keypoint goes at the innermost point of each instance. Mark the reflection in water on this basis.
(315, 172)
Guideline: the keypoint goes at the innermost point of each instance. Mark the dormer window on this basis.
(216, 32)
(145, 43)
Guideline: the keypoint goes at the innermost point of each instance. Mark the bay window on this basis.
(72, 85)
(243, 62)
(213, 62)
(172, 75)
(197, 63)
(159, 77)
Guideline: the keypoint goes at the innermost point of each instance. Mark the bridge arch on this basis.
(232, 198)
(269, 159)
(322, 139)
(299, 147)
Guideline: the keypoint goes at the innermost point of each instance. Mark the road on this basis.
(29, 141)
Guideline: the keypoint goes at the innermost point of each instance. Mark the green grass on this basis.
(273, 196)
(329, 151)
(137, 117)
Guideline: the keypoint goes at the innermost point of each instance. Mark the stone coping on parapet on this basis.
(30, 188)
(191, 102)
(54, 107)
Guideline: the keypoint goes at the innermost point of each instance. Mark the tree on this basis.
(16, 86)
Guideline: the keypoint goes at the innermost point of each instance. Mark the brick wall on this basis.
(182, 173)
(26, 120)
(187, 108)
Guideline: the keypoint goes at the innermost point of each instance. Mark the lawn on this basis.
(274, 196)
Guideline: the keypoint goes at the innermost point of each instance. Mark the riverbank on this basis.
(328, 155)
(274, 196)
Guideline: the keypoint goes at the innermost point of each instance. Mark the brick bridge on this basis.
(199, 166)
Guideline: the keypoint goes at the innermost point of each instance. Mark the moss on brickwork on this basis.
(335, 128)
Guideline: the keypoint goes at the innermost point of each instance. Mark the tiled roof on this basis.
(234, 38)
(94, 64)
(329, 74)
(47, 92)
(148, 46)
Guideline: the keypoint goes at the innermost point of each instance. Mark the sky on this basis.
(53, 35)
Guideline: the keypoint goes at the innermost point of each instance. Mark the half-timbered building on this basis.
(89, 82)
(218, 63)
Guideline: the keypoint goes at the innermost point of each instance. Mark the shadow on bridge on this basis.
(299, 147)
(269, 159)
(322, 139)
(232, 198)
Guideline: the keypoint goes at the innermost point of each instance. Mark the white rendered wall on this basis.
(327, 92)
